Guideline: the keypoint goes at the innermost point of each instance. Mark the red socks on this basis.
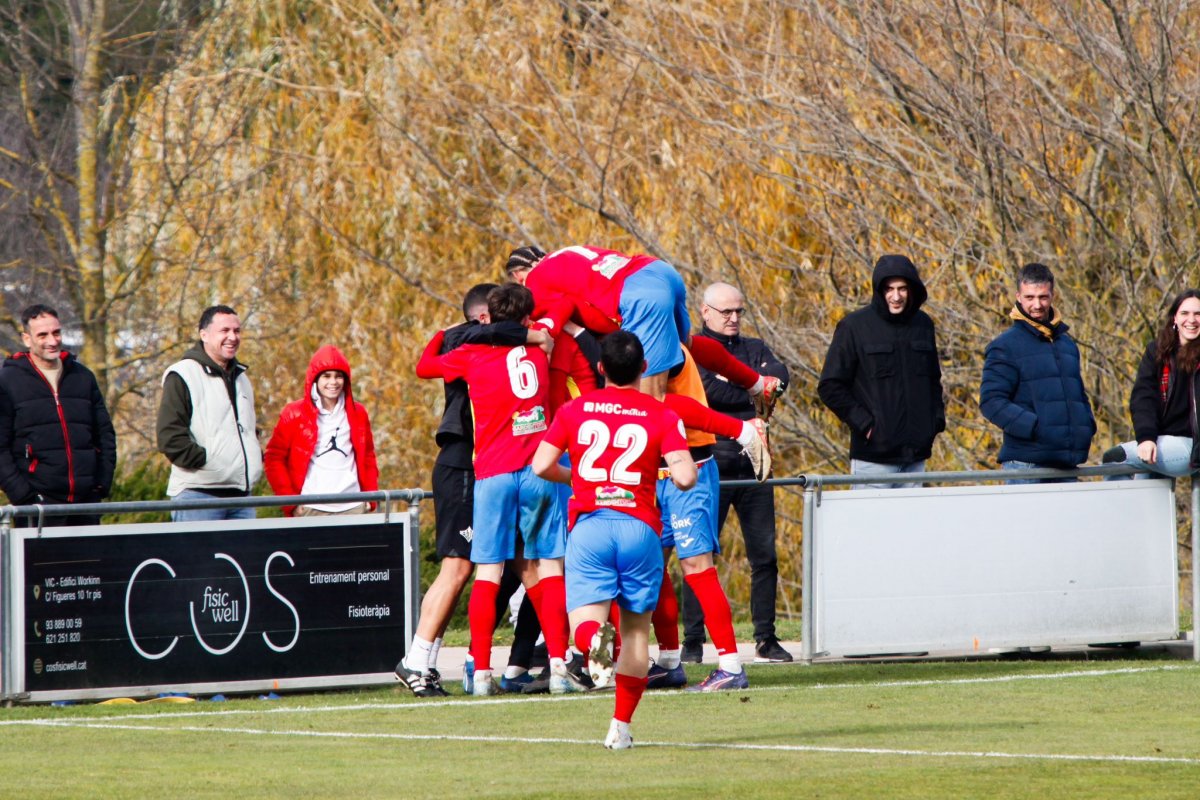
(666, 614)
(629, 693)
(550, 602)
(481, 615)
(718, 617)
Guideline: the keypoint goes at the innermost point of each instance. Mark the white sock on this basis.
(669, 659)
(511, 671)
(747, 435)
(557, 665)
(418, 655)
(433, 652)
(730, 662)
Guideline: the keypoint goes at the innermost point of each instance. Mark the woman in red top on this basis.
(323, 443)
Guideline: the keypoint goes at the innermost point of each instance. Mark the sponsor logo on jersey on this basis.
(610, 265)
(614, 496)
(590, 407)
(527, 422)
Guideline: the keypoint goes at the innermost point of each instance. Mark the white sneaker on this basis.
(759, 450)
(619, 736)
(563, 682)
(484, 686)
(600, 657)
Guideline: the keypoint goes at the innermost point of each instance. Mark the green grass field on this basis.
(995, 729)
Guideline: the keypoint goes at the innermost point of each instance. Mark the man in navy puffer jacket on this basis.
(1032, 388)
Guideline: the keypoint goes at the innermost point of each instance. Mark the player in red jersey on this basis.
(604, 290)
(616, 437)
(508, 389)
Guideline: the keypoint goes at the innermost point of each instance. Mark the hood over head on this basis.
(325, 359)
(894, 266)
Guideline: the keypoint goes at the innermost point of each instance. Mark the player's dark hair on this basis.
(1036, 274)
(206, 317)
(524, 258)
(33, 312)
(477, 295)
(509, 302)
(622, 356)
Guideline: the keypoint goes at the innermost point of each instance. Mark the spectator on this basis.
(206, 423)
(1032, 388)
(1162, 402)
(323, 442)
(57, 443)
(882, 376)
(722, 311)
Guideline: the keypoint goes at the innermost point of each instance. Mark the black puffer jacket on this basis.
(882, 374)
(65, 451)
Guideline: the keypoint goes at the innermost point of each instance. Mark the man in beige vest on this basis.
(206, 421)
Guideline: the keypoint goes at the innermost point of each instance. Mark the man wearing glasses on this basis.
(723, 310)
(882, 376)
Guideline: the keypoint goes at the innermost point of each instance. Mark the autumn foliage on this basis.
(341, 171)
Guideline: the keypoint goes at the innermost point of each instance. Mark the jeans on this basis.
(858, 467)
(1174, 458)
(1031, 465)
(207, 514)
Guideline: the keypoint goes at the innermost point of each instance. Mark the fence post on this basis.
(1195, 573)
(807, 622)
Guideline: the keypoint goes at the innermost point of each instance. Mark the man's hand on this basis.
(540, 338)
(1148, 451)
(765, 392)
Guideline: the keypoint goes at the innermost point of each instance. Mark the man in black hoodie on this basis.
(57, 443)
(882, 375)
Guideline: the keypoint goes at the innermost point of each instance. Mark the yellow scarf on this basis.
(1044, 330)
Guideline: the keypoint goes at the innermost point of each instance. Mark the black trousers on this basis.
(755, 507)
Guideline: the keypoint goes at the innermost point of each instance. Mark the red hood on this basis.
(327, 358)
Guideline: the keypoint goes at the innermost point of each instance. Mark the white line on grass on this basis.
(1039, 676)
(792, 748)
(475, 703)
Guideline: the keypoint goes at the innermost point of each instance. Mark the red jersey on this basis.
(509, 399)
(584, 284)
(616, 438)
(570, 373)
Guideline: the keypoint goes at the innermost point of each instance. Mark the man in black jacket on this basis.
(57, 443)
(883, 378)
(722, 311)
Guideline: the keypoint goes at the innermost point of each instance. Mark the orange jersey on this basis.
(688, 383)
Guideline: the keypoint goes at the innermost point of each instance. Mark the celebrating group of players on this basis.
(626, 468)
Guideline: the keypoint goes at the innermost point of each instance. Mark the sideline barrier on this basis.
(974, 567)
(137, 610)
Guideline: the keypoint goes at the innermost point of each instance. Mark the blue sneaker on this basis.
(516, 684)
(660, 677)
(720, 680)
(468, 681)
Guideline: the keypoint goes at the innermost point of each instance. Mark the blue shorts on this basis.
(690, 518)
(613, 556)
(654, 308)
(512, 503)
